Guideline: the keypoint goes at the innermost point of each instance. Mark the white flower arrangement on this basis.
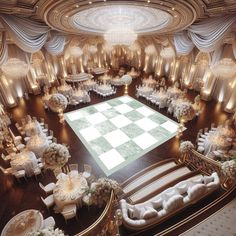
(50, 231)
(56, 155)
(100, 191)
(229, 169)
(185, 112)
(185, 146)
(57, 102)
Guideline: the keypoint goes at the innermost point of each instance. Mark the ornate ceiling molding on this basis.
(61, 15)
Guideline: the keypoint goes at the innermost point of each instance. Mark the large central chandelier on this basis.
(120, 36)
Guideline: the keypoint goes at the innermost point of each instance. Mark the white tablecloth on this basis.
(90, 84)
(174, 92)
(104, 88)
(65, 90)
(144, 90)
(69, 190)
(79, 95)
(215, 141)
(160, 97)
(25, 160)
(37, 144)
(149, 82)
(32, 128)
(23, 223)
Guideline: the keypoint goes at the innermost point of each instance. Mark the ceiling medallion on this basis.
(102, 19)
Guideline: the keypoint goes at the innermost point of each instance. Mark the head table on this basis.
(22, 223)
(69, 189)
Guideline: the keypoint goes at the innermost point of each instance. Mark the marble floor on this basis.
(118, 131)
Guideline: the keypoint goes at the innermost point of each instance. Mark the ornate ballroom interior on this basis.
(117, 117)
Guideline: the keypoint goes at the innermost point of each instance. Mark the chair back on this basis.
(87, 168)
(73, 167)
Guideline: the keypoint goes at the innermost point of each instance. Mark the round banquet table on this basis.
(174, 92)
(226, 131)
(215, 141)
(65, 90)
(37, 144)
(145, 90)
(69, 190)
(104, 88)
(149, 82)
(117, 81)
(160, 97)
(22, 223)
(25, 160)
(32, 128)
(90, 84)
(79, 94)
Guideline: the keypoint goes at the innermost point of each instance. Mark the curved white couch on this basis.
(168, 202)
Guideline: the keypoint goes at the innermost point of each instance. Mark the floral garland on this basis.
(100, 191)
(56, 155)
(50, 231)
(184, 111)
(57, 102)
(229, 169)
(185, 146)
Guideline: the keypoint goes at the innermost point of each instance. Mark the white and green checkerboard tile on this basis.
(120, 130)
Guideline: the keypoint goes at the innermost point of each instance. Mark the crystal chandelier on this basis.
(75, 51)
(167, 53)
(15, 68)
(150, 50)
(120, 36)
(225, 68)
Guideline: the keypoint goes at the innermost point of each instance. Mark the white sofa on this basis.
(168, 202)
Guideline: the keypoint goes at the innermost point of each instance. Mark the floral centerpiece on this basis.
(50, 231)
(229, 169)
(55, 155)
(100, 191)
(184, 112)
(57, 102)
(185, 146)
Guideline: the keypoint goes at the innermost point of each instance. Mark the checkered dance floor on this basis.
(118, 131)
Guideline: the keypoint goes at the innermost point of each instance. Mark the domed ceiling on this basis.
(95, 17)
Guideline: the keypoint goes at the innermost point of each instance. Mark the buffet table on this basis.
(23, 223)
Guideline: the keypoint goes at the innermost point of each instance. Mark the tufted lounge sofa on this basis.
(168, 202)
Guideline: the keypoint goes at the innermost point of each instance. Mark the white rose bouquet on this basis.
(185, 146)
(57, 102)
(50, 231)
(229, 169)
(55, 155)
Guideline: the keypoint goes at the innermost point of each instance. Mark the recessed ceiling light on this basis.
(90, 2)
(67, 16)
(172, 8)
(76, 5)
(148, 1)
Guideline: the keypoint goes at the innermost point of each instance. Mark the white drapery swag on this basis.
(4, 49)
(55, 46)
(28, 35)
(183, 44)
(206, 35)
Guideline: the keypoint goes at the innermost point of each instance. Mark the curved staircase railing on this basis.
(206, 165)
(105, 223)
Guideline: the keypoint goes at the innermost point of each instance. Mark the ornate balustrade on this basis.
(107, 223)
(206, 165)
